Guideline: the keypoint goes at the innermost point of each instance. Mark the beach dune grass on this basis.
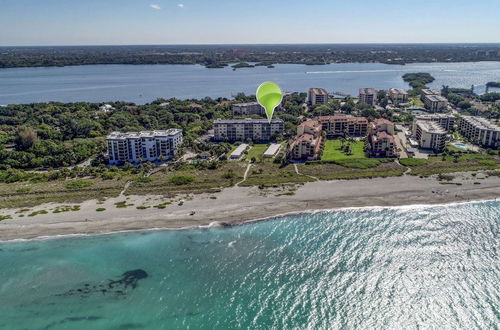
(335, 171)
(56, 191)
(268, 174)
(203, 180)
(450, 164)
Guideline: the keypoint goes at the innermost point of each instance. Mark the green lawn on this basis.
(416, 101)
(332, 151)
(256, 151)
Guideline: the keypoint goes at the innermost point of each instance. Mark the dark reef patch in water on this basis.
(117, 287)
(127, 326)
(73, 319)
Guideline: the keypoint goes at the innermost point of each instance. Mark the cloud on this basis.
(155, 6)
(180, 5)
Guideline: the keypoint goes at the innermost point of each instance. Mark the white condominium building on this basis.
(143, 146)
(260, 130)
(481, 130)
(447, 122)
(430, 135)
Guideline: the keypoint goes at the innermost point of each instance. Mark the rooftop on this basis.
(239, 150)
(481, 123)
(429, 91)
(125, 135)
(318, 91)
(434, 116)
(436, 98)
(246, 104)
(272, 150)
(247, 121)
(430, 126)
(367, 91)
(397, 91)
(383, 121)
(342, 117)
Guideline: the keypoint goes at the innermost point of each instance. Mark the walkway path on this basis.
(245, 175)
(297, 171)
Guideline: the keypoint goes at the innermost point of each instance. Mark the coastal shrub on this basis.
(37, 213)
(66, 208)
(122, 204)
(100, 209)
(142, 207)
(358, 163)
(5, 217)
(488, 163)
(413, 161)
(79, 184)
(143, 179)
(180, 180)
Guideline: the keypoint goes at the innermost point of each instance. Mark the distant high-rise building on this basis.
(143, 146)
(398, 95)
(247, 109)
(367, 96)
(317, 96)
(433, 100)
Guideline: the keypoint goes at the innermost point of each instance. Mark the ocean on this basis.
(410, 267)
(144, 83)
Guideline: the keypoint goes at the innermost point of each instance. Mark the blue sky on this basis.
(105, 22)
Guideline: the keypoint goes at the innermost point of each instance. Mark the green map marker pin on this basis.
(269, 96)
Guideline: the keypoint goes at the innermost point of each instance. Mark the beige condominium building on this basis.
(433, 100)
(317, 96)
(480, 130)
(381, 139)
(307, 144)
(143, 146)
(398, 96)
(367, 96)
(429, 135)
(339, 125)
(257, 130)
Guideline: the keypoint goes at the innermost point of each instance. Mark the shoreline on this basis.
(241, 205)
(216, 224)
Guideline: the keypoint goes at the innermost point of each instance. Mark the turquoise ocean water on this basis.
(402, 268)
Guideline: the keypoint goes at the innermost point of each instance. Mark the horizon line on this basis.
(496, 43)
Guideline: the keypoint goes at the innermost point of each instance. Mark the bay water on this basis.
(144, 83)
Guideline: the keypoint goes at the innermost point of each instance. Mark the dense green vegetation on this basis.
(53, 135)
(495, 84)
(418, 80)
(216, 56)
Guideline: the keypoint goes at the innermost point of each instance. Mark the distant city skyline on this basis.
(129, 22)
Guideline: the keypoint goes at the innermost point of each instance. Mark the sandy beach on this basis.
(236, 205)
